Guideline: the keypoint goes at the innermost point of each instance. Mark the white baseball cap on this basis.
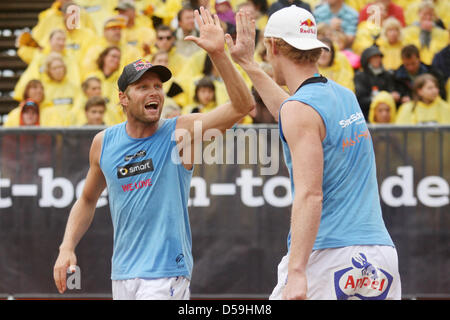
(296, 26)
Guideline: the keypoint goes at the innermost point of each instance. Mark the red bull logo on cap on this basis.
(308, 22)
(142, 64)
(307, 26)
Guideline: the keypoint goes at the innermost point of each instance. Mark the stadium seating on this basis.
(15, 16)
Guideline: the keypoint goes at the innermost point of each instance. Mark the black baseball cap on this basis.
(134, 71)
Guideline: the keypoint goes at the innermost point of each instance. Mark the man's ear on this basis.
(273, 46)
(123, 99)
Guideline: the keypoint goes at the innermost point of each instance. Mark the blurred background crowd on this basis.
(393, 54)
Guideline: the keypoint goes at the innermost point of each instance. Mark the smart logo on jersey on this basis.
(307, 26)
(135, 168)
(362, 280)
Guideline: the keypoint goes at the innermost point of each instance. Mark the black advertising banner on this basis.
(239, 210)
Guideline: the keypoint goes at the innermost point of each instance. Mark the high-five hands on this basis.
(243, 50)
(211, 37)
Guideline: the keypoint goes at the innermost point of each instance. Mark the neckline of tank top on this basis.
(314, 79)
(161, 122)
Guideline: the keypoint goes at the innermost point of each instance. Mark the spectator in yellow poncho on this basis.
(112, 36)
(94, 110)
(108, 71)
(369, 31)
(99, 11)
(34, 90)
(165, 40)
(92, 87)
(335, 66)
(442, 10)
(55, 18)
(78, 37)
(186, 27)
(59, 90)
(208, 70)
(382, 109)
(168, 10)
(425, 35)
(204, 97)
(391, 44)
(138, 31)
(427, 106)
(36, 68)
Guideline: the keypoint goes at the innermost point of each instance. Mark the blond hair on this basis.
(56, 31)
(391, 23)
(426, 4)
(296, 55)
(53, 56)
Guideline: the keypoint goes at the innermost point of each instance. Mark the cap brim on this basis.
(114, 24)
(163, 73)
(306, 44)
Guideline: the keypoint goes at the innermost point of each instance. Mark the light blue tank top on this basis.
(148, 197)
(351, 211)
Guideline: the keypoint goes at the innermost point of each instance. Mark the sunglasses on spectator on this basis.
(166, 37)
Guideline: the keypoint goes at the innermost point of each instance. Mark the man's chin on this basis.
(151, 119)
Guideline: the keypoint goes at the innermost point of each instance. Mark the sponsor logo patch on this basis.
(357, 117)
(308, 26)
(308, 23)
(180, 260)
(138, 154)
(362, 280)
(135, 168)
(142, 64)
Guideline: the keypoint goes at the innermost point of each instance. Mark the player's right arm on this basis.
(242, 53)
(304, 132)
(81, 214)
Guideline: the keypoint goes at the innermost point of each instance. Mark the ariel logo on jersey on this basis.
(307, 26)
(362, 280)
(135, 168)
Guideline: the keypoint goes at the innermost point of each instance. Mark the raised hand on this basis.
(243, 50)
(211, 33)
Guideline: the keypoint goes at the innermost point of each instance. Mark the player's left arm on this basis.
(304, 131)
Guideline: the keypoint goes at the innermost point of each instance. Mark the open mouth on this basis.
(151, 106)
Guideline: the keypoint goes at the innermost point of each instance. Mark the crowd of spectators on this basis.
(393, 54)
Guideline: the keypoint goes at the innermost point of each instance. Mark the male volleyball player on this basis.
(149, 192)
(338, 245)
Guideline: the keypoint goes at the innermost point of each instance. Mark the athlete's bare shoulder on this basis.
(297, 117)
(96, 148)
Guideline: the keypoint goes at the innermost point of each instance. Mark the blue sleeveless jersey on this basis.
(148, 197)
(351, 211)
